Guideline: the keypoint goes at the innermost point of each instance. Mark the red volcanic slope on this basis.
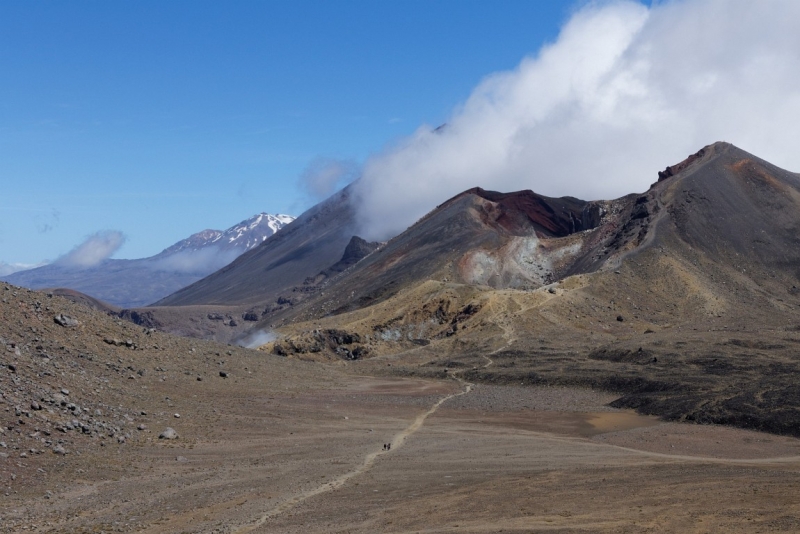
(550, 217)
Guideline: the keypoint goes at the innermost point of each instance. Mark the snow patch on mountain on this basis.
(209, 250)
(250, 233)
(239, 238)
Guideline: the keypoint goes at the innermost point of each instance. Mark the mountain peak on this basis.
(252, 232)
(240, 237)
(705, 154)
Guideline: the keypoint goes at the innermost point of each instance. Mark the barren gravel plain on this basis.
(280, 445)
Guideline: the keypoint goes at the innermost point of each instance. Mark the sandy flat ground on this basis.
(266, 458)
(479, 465)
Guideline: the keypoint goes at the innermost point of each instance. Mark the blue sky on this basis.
(155, 120)
(160, 119)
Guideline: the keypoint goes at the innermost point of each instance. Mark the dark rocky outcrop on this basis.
(355, 251)
(672, 170)
(141, 317)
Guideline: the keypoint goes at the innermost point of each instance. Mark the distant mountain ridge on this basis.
(313, 243)
(241, 237)
(131, 283)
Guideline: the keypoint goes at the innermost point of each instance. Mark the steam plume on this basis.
(255, 339)
(96, 248)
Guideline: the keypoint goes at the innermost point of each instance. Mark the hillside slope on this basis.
(313, 242)
(685, 299)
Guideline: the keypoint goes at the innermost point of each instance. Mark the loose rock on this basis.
(168, 433)
(65, 320)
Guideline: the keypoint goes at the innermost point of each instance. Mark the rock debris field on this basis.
(106, 426)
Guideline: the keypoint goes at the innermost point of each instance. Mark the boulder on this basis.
(65, 320)
(168, 433)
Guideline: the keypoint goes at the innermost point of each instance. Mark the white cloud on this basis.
(96, 248)
(624, 91)
(200, 262)
(324, 176)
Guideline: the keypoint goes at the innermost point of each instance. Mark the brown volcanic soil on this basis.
(82, 298)
(284, 445)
